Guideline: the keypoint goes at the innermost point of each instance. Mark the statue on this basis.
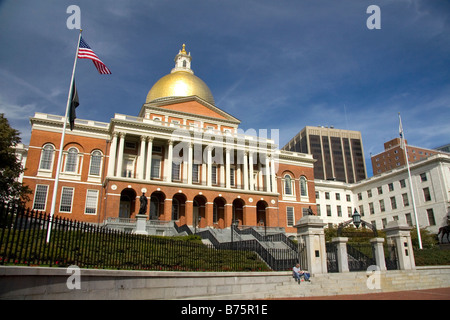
(445, 231)
(310, 212)
(143, 201)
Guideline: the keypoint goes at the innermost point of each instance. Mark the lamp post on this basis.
(356, 220)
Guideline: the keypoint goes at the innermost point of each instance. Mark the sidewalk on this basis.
(429, 294)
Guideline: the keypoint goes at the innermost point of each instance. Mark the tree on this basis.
(10, 167)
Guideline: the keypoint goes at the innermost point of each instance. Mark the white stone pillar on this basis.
(190, 163)
(399, 235)
(310, 231)
(227, 168)
(250, 171)
(142, 158)
(120, 157)
(245, 164)
(112, 156)
(267, 172)
(168, 165)
(377, 244)
(148, 175)
(341, 251)
(209, 165)
(273, 175)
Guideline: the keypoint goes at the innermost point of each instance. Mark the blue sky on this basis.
(272, 64)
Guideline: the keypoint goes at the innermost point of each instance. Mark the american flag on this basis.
(85, 52)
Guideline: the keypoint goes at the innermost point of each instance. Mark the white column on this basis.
(190, 163)
(168, 165)
(245, 171)
(142, 158)
(250, 163)
(209, 165)
(260, 177)
(274, 177)
(267, 172)
(222, 175)
(120, 157)
(148, 174)
(112, 155)
(227, 168)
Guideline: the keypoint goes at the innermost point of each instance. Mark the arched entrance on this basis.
(156, 205)
(261, 218)
(178, 209)
(219, 212)
(127, 203)
(238, 211)
(199, 212)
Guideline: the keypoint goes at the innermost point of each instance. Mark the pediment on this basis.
(193, 106)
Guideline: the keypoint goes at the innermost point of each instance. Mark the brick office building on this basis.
(188, 156)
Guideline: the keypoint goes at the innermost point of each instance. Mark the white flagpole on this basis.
(61, 146)
(403, 145)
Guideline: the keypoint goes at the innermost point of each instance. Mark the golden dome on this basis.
(181, 82)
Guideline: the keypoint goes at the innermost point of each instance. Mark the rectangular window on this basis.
(290, 216)
(408, 219)
(66, 200)
(391, 186)
(431, 219)
(382, 208)
(423, 177)
(426, 194)
(232, 180)
(91, 202)
(371, 209)
(405, 199)
(195, 173)
(339, 211)
(328, 210)
(214, 175)
(176, 170)
(380, 190)
(402, 183)
(40, 197)
(156, 168)
(393, 203)
(361, 210)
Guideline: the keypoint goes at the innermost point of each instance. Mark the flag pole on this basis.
(403, 144)
(61, 146)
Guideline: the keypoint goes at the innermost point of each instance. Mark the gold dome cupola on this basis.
(180, 82)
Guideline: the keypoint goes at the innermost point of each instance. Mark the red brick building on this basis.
(189, 157)
(394, 157)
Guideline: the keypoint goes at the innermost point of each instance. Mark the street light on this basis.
(356, 219)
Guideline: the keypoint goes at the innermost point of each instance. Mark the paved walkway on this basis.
(430, 294)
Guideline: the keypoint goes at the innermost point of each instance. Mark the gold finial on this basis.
(184, 49)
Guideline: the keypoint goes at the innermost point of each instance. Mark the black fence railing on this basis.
(23, 241)
(278, 259)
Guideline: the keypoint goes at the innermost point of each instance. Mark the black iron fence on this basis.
(23, 241)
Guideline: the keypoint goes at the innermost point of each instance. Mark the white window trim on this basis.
(46, 197)
(46, 172)
(287, 216)
(96, 202)
(291, 196)
(71, 201)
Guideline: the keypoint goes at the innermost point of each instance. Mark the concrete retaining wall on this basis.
(52, 283)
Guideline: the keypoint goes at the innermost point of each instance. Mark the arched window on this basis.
(71, 161)
(47, 157)
(288, 185)
(303, 187)
(96, 163)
